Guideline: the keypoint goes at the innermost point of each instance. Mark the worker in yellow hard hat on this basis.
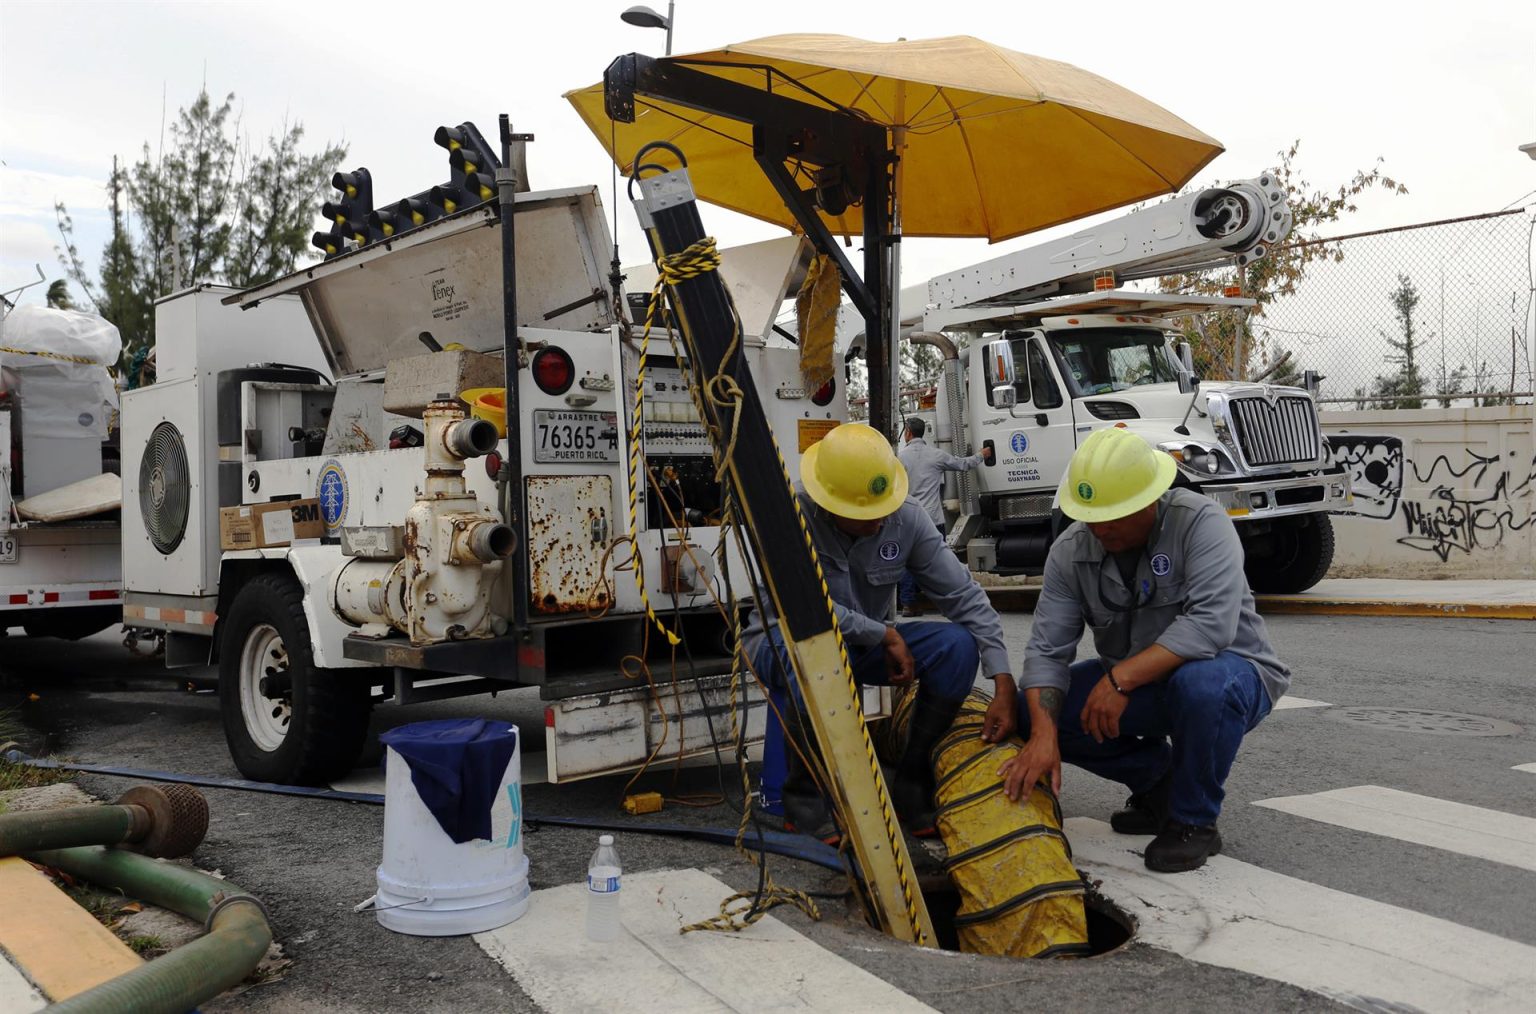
(1184, 667)
(868, 533)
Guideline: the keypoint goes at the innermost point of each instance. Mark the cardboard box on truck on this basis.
(263, 525)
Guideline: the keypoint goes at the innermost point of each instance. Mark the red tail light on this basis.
(553, 371)
(825, 392)
(493, 464)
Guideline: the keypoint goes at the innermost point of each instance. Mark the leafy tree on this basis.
(1225, 341)
(1402, 389)
(58, 295)
(1452, 385)
(208, 206)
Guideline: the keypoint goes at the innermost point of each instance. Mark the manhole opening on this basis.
(1109, 927)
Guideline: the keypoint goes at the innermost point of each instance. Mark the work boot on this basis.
(1182, 847)
(805, 810)
(912, 793)
(1145, 812)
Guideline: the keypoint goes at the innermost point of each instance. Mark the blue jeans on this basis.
(947, 659)
(1190, 724)
(946, 655)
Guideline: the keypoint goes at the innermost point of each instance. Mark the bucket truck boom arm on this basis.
(1241, 221)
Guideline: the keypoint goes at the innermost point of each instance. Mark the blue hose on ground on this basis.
(792, 846)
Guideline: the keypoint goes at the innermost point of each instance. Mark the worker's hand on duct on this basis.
(1002, 714)
(898, 658)
(1040, 757)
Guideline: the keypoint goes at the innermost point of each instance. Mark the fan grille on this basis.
(165, 488)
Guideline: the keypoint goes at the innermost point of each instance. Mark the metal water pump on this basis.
(453, 548)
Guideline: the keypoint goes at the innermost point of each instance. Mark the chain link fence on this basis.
(1422, 316)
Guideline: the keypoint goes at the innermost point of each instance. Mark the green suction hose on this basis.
(157, 822)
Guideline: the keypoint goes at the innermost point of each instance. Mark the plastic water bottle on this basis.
(603, 874)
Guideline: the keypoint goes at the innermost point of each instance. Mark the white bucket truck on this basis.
(447, 559)
(1041, 349)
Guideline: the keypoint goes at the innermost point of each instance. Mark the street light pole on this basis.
(644, 17)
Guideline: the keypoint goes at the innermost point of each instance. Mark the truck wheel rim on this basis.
(265, 719)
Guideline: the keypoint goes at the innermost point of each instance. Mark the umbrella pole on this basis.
(893, 277)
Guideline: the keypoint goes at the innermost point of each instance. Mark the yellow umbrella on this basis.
(992, 142)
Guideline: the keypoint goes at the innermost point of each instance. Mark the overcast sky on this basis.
(1445, 93)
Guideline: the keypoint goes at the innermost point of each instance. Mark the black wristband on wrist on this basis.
(1115, 683)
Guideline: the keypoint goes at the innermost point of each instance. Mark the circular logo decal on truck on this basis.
(1019, 442)
(331, 489)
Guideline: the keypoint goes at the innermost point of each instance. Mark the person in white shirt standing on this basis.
(926, 465)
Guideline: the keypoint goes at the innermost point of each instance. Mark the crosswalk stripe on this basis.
(17, 995)
(1439, 823)
(1524, 767)
(1287, 702)
(1362, 952)
(653, 967)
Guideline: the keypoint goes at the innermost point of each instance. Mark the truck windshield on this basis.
(1104, 359)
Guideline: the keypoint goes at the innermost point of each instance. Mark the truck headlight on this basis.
(1201, 459)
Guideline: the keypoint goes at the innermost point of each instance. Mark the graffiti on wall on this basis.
(1455, 518)
(1456, 503)
(1375, 466)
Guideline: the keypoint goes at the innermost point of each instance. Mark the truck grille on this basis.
(1281, 433)
(1024, 507)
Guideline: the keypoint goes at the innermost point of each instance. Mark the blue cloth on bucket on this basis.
(456, 765)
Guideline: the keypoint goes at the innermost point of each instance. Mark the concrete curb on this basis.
(1304, 606)
(1022, 600)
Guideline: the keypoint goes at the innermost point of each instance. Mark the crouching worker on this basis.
(853, 494)
(1184, 667)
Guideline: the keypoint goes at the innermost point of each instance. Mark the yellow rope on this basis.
(51, 355)
(723, 392)
(635, 426)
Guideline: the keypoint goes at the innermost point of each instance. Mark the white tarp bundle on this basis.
(57, 360)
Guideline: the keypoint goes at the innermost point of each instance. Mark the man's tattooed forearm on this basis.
(1051, 700)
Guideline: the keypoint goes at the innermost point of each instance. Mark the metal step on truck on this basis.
(329, 494)
(60, 567)
(1042, 348)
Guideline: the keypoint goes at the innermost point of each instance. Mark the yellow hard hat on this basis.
(1113, 474)
(854, 473)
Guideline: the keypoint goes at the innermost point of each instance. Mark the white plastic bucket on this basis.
(431, 886)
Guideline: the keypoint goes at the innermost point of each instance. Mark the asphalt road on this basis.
(312, 861)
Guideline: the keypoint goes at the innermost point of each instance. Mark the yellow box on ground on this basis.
(57, 944)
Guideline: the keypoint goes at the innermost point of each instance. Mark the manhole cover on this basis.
(1435, 723)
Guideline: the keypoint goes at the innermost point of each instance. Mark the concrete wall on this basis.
(1439, 493)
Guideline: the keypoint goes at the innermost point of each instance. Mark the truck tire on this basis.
(313, 726)
(1300, 553)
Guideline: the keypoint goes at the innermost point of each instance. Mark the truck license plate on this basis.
(7, 549)
(566, 437)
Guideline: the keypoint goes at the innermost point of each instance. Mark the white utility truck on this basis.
(1041, 349)
(60, 569)
(323, 411)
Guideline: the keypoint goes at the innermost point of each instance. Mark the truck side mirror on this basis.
(1001, 374)
(1188, 382)
(1186, 356)
(1312, 381)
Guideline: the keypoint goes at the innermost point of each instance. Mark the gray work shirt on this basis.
(926, 465)
(1191, 594)
(862, 575)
